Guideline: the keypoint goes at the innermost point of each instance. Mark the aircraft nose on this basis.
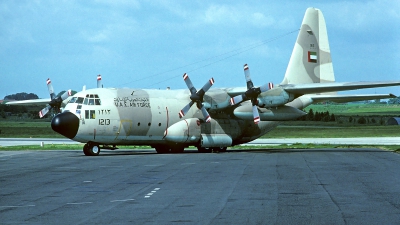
(65, 123)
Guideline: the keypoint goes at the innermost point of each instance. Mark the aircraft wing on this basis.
(302, 89)
(349, 98)
(43, 101)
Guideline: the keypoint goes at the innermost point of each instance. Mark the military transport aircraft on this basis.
(103, 118)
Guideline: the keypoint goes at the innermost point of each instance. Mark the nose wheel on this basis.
(91, 149)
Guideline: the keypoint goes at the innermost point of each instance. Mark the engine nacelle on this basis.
(215, 140)
(282, 113)
(207, 135)
(274, 97)
(184, 131)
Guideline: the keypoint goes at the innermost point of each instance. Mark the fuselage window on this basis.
(92, 114)
(78, 109)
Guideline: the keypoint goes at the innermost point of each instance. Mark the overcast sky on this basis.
(150, 44)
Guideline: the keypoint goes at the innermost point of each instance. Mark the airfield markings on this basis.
(152, 192)
(16, 206)
(79, 203)
(123, 200)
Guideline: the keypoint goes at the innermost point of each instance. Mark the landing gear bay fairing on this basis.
(166, 120)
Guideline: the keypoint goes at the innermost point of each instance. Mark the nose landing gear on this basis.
(91, 149)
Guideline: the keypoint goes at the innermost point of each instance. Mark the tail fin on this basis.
(311, 57)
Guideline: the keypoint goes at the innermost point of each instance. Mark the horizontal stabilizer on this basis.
(350, 98)
(301, 89)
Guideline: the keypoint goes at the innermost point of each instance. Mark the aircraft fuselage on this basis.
(150, 117)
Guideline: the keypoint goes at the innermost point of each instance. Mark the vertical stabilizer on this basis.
(311, 57)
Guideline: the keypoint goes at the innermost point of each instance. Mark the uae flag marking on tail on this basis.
(312, 57)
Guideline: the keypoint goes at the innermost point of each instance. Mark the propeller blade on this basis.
(185, 109)
(208, 85)
(50, 87)
(247, 76)
(206, 116)
(196, 97)
(266, 87)
(99, 85)
(66, 94)
(237, 99)
(189, 84)
(44, 111)
(256, 115)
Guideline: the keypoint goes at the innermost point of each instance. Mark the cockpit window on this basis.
(72, 100)
(92, 100)
(79, 100)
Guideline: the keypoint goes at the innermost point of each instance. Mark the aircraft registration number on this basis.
(104, 121)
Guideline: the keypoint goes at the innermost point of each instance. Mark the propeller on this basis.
(251, 93)
(196, 97)
(55, 102)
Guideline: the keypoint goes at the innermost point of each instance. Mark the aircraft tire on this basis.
(161, 149)
(219, 149)
(86, 150)
(93, 149)
(204, 150)
(177, 149)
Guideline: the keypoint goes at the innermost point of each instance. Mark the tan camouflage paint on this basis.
(312, 38)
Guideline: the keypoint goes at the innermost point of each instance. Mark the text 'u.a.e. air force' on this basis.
(132, 102)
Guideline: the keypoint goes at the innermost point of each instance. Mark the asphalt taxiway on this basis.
(318, 186)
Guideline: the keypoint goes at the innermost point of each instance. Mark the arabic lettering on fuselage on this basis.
(132, 102)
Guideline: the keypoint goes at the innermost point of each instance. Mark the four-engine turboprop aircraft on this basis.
(222, 117)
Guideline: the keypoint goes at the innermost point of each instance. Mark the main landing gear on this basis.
(162, 149)
(209, 150)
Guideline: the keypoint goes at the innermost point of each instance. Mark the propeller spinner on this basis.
(55, 102)
(196, 97)
(251, 93)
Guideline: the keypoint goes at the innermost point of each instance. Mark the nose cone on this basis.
(65, 123)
